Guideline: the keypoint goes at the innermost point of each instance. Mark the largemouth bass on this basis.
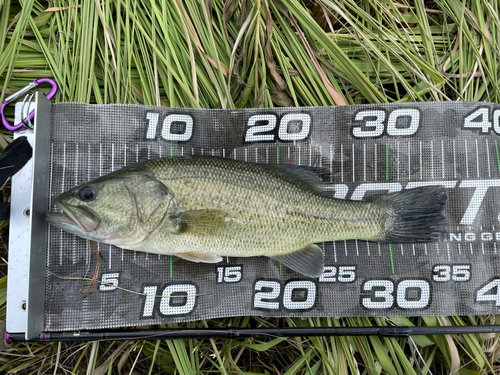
(203, 208)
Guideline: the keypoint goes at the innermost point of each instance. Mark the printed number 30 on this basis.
(370, 124)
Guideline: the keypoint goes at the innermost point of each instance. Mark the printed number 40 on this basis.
(489, 293)
(480, 119)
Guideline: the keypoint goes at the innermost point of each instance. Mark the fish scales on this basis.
(269, 213)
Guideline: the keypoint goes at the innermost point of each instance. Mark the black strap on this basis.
(13, 158)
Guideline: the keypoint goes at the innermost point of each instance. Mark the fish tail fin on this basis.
(414, 215)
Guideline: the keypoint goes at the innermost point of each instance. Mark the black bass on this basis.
(203, 208)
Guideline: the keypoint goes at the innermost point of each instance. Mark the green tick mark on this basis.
(171, 276)
(281, 271)
(498, 157)
(277, 155)
(171, 151)
(392, 261)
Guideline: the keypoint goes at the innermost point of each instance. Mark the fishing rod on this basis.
(235, 333)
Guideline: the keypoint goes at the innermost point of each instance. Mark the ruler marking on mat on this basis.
(397, 161)
(62, 189)
(353, 166)
(432, 160)
(364, 161)
(421, 166)
(387, 161)
(488, 157)
(442, 160)
(409, 161)
(477, 160)
(466, 158)
(498, 157)
(342, 163)
(73, 250)
(392, 260)
(454, 160)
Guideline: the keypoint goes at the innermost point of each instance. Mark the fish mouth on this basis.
(73, 216)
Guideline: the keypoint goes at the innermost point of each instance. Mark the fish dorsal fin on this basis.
(199, 257)
(310, 176)
(308, 261)
(203, 222)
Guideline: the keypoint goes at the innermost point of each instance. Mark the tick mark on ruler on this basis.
(488, 156)
(432, 160)
(477, 159)
(409, 161)
(442, 160)
(387, 161)
(454, 160)
(353, 165)
(421, 166)
(392, 261)
(342, 163)
(364, 161)
(466, 158)
(397, 161)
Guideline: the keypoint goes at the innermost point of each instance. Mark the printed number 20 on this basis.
(264, 132)
(267, 295)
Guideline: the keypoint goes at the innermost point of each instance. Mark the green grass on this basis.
(256, 53)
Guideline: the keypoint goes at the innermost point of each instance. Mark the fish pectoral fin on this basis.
(199, 221)
(199, 257)
(308, 261)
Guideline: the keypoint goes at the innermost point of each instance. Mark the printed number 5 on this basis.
(109, 281)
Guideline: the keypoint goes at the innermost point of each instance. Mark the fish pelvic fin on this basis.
(199, 257)
(308, 261)
(414, 215)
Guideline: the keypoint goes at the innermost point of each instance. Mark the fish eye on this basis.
(87, 193)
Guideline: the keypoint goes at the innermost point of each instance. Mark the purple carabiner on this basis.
(20, 93)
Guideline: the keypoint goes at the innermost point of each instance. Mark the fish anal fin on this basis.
(308, 261)
(199, 257)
